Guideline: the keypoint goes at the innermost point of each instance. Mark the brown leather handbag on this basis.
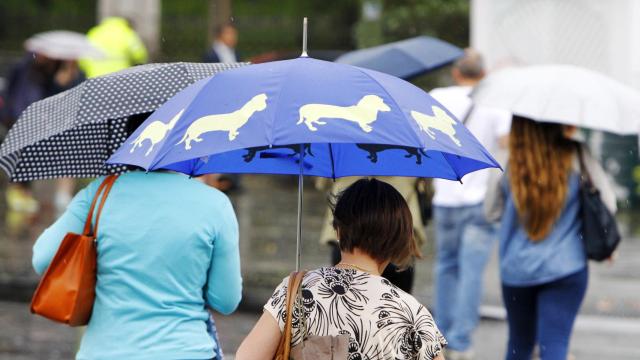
(312, 347)
(67, 289)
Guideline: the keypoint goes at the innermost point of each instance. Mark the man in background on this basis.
(464, 238)
(223, 50)
(224, 45)
(116, 37)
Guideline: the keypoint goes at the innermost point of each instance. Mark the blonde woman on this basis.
(543, 264)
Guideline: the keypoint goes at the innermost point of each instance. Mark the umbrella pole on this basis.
(304, 38)
(300, 188)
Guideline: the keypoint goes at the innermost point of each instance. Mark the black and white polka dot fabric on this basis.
(73, 133)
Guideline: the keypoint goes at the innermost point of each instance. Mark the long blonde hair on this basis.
(540, 163)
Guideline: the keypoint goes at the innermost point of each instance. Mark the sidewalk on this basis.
(27, 337)
(607, 327)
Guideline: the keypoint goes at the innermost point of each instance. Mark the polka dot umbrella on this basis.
(72, 133)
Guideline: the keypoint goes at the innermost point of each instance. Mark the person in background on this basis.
(33, 78)
(402, 278)
(116, 37)
(464, 238)
(374, 225)
(123, 48)
(543, 264)
(167, 249)
(223, 49)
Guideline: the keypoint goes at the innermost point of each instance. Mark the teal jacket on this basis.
(167, 248)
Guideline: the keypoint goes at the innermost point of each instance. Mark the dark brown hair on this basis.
(372, 216)
(540, 161)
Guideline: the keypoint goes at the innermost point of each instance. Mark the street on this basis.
(27, 337)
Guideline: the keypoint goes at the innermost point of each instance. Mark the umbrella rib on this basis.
(333, 169)
(455, 171)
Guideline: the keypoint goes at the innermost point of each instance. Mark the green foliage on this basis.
(264, 26)
(400, 19)
(19, 19)
(445, 19)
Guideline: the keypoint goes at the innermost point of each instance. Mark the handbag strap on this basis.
(465, 119)
(104, 189)
(584, 173)
(295, 280)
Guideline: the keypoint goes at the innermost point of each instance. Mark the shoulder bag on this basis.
(67, 289)
(312, 346)
(599, 229)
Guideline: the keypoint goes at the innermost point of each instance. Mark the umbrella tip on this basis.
(304, 38)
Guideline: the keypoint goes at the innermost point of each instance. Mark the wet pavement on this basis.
(26, 337)
(607, 328)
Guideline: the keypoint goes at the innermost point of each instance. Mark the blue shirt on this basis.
(167, 247)
(527, 263)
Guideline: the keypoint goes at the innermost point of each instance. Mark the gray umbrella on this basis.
(71, 134)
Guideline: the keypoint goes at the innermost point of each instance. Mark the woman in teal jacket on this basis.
(167, 250)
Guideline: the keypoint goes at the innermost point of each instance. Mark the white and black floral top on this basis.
(382, 321)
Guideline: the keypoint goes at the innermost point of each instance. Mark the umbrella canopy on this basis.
(405, 59)
(353, 121)
(63, 45)
(72, 133)
(563, 94)
(305, 117)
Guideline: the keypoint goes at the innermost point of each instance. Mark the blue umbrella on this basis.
(405, 59)
(305, 117)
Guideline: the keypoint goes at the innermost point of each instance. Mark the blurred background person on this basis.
(223, 49)
(116, 37)
(33, 78)
(123, 48)
(375, 228)
(402, 278)
(543, 264)
(464, 239)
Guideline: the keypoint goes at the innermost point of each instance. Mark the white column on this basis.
(145, 15)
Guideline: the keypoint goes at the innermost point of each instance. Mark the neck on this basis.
(248, 109)
(467, 82)
(362, 261)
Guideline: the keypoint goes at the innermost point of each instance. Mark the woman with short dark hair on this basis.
(374, 227)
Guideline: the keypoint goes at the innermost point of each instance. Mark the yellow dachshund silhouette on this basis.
(440, 121)
(155, 132)
(229, 122)
(364, 113)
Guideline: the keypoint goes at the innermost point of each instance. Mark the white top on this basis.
(382, 321)
(225, 54)
(488, 125)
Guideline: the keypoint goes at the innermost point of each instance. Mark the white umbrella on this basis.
(563, 94)
(63, 45)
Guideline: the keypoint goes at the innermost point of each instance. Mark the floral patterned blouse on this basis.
(382, 321)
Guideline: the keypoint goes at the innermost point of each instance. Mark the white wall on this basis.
(600, 35)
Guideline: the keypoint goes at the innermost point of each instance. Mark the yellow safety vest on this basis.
(121, 45)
